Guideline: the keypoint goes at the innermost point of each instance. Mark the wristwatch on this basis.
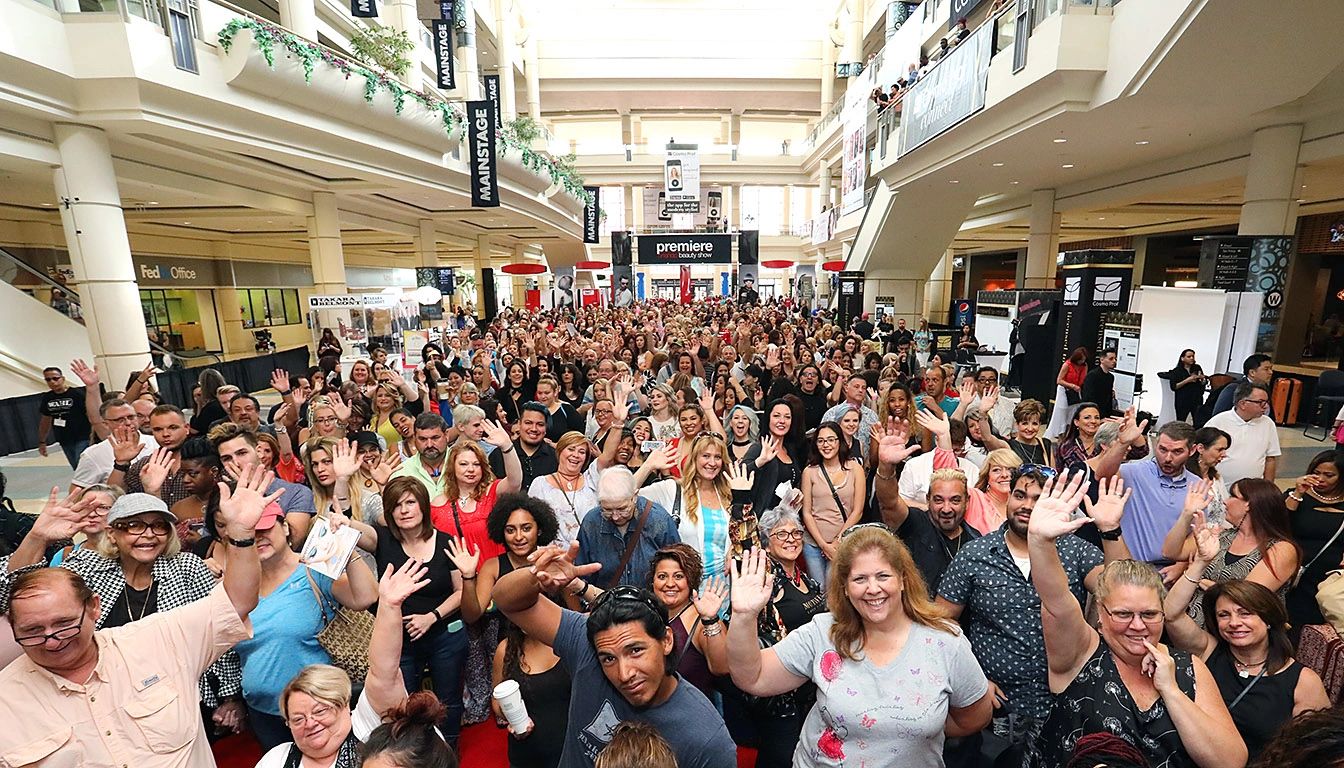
(123, 468)
(241, 543)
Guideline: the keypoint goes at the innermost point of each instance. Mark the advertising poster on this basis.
(854, 162)
(681, 178)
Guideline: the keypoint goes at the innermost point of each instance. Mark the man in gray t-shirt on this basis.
(618, 659)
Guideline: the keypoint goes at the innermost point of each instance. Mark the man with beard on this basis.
(988, 589)
(431, 447)
(536, 455)
(164, 479)
(933, 537)
(1159, 486)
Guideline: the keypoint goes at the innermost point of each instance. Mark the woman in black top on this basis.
(210, 411)
(813, 394)
(434, 635)
(545, 686)
(1250, 657)
(516, 389)
(1187, 381)
(782, 458)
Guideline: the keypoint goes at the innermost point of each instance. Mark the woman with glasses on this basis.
(328, 414)
(1316, 507)
(795, 600)
(833, 494)
(1247, 648)
(1257, 546)
(570, 490)
(893, 675)
(1120, 679)
(315, 706)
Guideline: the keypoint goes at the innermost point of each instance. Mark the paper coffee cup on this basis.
(510, 700)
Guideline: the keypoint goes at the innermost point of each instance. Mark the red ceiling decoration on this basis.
(777, 263)
(592, 265)
(834, 266)
(523, 269)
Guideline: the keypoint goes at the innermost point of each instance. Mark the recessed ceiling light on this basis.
(186, 222)
(1014, 182)
(1066, 165)
(1101, 218)
(1141, 143)
(1061, 141)
(153, 202)
(998, 165)
(953, 181)
(46, 205)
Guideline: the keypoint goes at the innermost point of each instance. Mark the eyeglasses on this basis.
(138, 527)
(628, 593)
(862, 526)
(1127, 617)
(321, 713)
(64, 633)
(1257, 403)
(794, 535)
(827, 440)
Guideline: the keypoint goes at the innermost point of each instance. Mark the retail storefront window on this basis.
(264, 307)
(172, 318)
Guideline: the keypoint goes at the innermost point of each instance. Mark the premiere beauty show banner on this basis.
(685, 249)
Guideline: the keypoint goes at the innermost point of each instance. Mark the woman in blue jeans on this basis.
(833, 491)
(434, 638)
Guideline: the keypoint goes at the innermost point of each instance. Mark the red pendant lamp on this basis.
(834, 266)
(777, 263)
(523, 269)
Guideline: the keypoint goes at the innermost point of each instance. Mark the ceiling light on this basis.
(1066, 165)
(1014, 182)
(153, 202)
(1141, 143)
(953, 181)
(1061, 141)
(186, 222)
(1101, 218)
(47, 205)
(998, 165)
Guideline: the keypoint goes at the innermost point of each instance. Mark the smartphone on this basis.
(649, 446)
(663, 215)
(674, 175)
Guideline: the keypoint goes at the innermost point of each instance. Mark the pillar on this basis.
(403, 16)
(427, 244)
(1269, 204)
(734, 205)
(824, 177)
(324, 245)
(734, 132)
(480, 258)
(507, 52)
(827, 75)
(300, 17)
(938, 294)
(470, 87)
(1038, 269)
(854, 31)
(100, 251)
(229, 311)
(532, 77)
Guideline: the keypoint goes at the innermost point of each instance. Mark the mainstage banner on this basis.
(592, 213)
(442, 31)
(481, 156)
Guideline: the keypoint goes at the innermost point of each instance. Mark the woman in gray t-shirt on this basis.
(893, 676)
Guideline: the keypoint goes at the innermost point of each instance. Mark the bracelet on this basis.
(1186, 576)
(711, 621)
(584, 589)
(713, 630)
(1295, 496)
(1111, 535)
(437, 616)
(881, 476)
(506, 453)
(472, 577)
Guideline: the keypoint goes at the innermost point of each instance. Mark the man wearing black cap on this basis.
(747, 295)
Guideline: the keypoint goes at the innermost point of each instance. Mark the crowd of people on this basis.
(650, 535)
(891, 98)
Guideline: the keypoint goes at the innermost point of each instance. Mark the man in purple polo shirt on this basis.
(1159, 484)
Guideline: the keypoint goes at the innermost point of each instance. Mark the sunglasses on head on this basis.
(862, 526)
(628, 593)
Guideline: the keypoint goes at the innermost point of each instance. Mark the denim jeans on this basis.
(817, 564)
(72, 449)
(269, 730)
(445, 653)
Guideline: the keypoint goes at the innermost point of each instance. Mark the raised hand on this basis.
(397, 585)
(989, 400)
(966, 391)
(339, 405)
(662, 459)
(770, 448)
(496, 434)
(934, 420)
(1206, 541)
(620, 399)
(709, 598)
(382, 471)
(753, 583)
(739, 477)
(87, 375)
(61, 519)
(282, 414)
(241, 507)
(555, 568)
(280, 381)
(1130, 432)
(464, 556)
(892, 442)
(344, 459)
(155, 472)
(1110, 506)
(125, 444)
(1052, 516)
(1198, 497)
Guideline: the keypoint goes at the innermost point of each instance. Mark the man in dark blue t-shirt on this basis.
(619, 659)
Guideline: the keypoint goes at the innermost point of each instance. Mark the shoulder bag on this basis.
(345, 634)
(631, 544)
(1300, 571)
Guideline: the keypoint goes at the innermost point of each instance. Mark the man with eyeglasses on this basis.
(124, 696)
(620, 661)
(623, 523)
(1255, 438)
(95, 463)
(62, 415)
(988, 589)
(1001, 414)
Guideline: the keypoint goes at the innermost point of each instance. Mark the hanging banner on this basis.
(805, 283)
(592, 213)
(364, 9)
(482, 159)
(446, 10)
(491, 83)
(442, 31)
(951, 92)
(657, 213)
(853, 170)
(681, 178)
(687, 295)
(690, 249)
(561, 295)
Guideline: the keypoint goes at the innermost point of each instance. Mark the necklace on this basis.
(1244, 669)
(144, 607)
(950, 551)
(1326, 499)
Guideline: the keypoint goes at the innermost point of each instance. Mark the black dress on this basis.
(1266, 707)
(1191, 396)
(1314, 523)
(546, 695)
(1097, 701)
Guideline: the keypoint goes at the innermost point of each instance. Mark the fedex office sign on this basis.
(685, 249)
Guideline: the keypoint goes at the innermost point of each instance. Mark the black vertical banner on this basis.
(482, 157)
(592, 213)
(446, 9)
(442, 30)
(491, 83)
(364, 9)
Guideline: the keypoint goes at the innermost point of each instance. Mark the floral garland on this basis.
(269, 38)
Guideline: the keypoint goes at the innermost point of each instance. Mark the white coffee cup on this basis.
(510, 700)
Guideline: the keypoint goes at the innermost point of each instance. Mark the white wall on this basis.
(38, 336)
(1175, 319)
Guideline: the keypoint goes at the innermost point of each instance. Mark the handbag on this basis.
(1339, 433)
(1300, 571)
(344, 636)
(1330, 599)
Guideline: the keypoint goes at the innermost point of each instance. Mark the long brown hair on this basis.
(450, 470)
(847, 633)
(690, 476)
(1268, 514)
(1257, 599)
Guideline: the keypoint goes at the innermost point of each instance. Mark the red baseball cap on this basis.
(272, 514)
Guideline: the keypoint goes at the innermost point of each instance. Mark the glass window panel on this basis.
(292, 314)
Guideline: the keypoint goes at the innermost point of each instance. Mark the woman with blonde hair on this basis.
(327, 414)
(636, 744)
(894, 675)
(329, 464)
(570, 490)
(987, 507)
(386, 399)
(316, 707)
(662, 412)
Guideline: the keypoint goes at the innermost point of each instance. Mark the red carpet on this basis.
(482, 746)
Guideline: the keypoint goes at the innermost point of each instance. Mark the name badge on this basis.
(58, 423)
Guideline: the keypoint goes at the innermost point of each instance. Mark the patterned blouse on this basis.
(1229, 567)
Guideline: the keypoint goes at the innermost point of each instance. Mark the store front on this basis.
(177, 301)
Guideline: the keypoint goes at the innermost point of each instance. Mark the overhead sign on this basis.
(951, 91)
(491, 83)
(482, 159)
(592, 213)
(442, 30)
(338, 301)
(685, 249)
(364, 9)
(681, 178)
(960, 9)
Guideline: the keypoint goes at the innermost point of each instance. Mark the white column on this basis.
(533, 77)
(427, 244)
(827, 74)
(1269, 204)
(324, 245)
(824, 173)
(467, 66)
(1042, 241)
(100, 251)
(299, 17)
(508, 51)
(938, 294)
(854, 31)
(403, 17)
